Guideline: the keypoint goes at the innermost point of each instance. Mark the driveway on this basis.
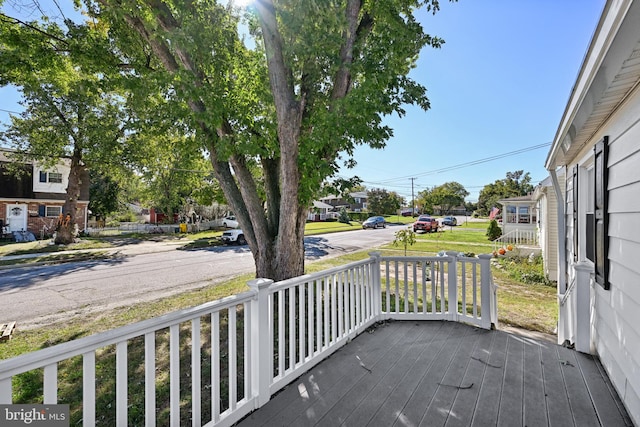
(38, 295)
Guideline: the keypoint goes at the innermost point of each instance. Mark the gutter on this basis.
(562, 242)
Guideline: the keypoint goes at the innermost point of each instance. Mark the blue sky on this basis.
(499, 84)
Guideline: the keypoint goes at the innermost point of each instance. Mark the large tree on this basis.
(383, 202)
(276, 114)
(446, 196)
(278, 103)
(70, 108)
(515, 184)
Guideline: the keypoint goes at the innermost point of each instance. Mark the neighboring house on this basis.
(519, 213)
(547, 208)
(598, 145)
(320, 212)
(356, 203)
(32, 200)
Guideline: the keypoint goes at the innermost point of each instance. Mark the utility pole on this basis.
(413, 209)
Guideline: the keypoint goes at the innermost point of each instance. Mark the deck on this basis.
(410, 373)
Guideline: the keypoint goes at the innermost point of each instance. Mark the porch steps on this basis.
(6, 330)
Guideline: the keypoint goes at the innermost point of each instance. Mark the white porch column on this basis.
(261, 356)
(583, 306)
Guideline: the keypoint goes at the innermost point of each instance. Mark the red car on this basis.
(425, 223)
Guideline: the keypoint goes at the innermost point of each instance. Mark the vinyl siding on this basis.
(616, 329)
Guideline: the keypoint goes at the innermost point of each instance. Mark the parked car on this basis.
(230, 222)
(374, 222)
(425, 223)
(233, 236)
(450, 220)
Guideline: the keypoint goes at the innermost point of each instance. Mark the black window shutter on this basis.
(600, 210)
(574, 173)
(42, 210)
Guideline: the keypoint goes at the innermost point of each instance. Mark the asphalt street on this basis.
(38, 295)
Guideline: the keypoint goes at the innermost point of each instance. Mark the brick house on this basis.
(32, 196)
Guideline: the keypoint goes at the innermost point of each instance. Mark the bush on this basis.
(493, 231)
(526, 269)
(344, 216)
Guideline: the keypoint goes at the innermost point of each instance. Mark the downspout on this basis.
(562, 242)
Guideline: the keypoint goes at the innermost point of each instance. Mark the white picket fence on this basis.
(517, 237)
(213, 364)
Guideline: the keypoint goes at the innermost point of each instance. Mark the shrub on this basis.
(344, 216)
(493, 231)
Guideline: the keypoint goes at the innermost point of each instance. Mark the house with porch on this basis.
(32, 195)
(519, 221)
(356, 202)
(597, 146)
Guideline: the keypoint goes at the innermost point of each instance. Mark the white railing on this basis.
(213, 364)
(517, 237)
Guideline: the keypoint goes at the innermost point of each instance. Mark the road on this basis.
(39, 295)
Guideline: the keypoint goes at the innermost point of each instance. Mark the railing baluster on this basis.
(121, 383)
(301, 319)
(248, 348)
(51, 384)
(89, 388)
(319, 316)
(334, 308)
(292, 327)
(174, 374)
(352, 301)
(149, 379)
(395, 272)
(215, 366)
(388, 287)
(415, 287)
(475, 289)
(325, 303)
(463, 286)
(424, 287)
(341, 277)
(6, 391)
(311, 324)
(281, 337)
(233, 362)
(196, 398)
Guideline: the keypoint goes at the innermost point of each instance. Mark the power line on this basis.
(470, 163)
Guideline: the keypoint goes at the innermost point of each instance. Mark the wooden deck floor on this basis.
(447, 374)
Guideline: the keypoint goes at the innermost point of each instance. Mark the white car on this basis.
(233, 236)
(230, 222)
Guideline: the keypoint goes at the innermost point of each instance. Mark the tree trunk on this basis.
(66, 229)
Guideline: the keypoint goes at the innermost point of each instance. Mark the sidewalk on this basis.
(137, 248)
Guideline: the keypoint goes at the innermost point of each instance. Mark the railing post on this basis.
(376, 286)
(452, 287)
(488, 304)
(583, 307)
(261, 356)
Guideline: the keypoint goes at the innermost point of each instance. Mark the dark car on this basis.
(425, 223)
(374, 222)
(450, 220)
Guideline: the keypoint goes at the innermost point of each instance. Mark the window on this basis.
(53, 211)
(523, 215)
(511, 214)
(600, 228)
(43, 176)
(55, 177)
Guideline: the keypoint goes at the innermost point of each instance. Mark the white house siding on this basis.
(616, 312)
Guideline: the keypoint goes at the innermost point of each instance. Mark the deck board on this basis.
(442, 373)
